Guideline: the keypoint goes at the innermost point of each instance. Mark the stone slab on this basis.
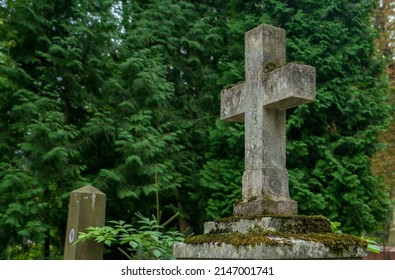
(285, 249)
(293, 224)
(271, 237)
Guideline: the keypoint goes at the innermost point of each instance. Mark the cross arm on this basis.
(289, 86)
(232, 103)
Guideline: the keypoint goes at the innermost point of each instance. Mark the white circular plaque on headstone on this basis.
(71, 235)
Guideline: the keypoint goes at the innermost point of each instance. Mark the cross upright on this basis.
(260, 102)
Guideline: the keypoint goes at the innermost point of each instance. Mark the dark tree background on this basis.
(124, 95)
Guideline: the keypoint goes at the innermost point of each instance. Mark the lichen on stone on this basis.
(337, 243)
(236, 239)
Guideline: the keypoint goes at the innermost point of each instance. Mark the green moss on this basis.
(337, 243)
(271, 66)
(237, 239)
(288, 227)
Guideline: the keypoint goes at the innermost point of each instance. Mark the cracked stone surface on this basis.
(286, 249)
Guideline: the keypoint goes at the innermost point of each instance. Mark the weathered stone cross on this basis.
(270, 88)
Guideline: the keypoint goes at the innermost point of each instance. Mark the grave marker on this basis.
(87, 207)
(260, 102)
(258, 230)
(254, 232)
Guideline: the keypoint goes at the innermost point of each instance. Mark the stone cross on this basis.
(87, 207)
(260, 102)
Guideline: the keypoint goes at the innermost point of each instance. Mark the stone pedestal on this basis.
(278, 237)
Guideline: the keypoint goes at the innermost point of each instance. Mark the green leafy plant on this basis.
(145, 239)
(372, 245)
(336, 227)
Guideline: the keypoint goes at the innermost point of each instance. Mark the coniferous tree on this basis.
(125, 95)
(55, 79)
(107, 94)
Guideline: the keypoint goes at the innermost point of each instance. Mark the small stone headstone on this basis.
(87, 207)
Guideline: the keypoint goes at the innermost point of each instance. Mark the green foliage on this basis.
(372, 245)
(331, 140)
(117, 93)
(145, 239)
(336, 227)
(42, 111)
(223, 169)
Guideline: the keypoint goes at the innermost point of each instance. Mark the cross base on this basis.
(265, 205)
(270, 238)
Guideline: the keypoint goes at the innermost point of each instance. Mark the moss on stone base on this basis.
(237, 239)
(338, 243)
